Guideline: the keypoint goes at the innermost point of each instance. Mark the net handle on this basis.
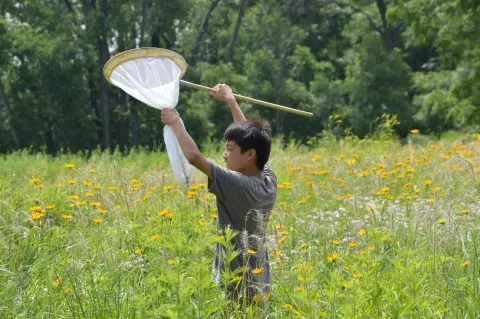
(250, 100)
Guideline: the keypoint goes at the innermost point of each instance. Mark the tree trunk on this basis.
(388, 33)
(203, 27)
(49, 140)
(238, 23)
(69, 6)
(13, 131)
(279, 87)
(144, 21)
(135, 123)
(4, 7)
(103, 58)
(134, 103)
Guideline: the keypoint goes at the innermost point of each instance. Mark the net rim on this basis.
(147, 52)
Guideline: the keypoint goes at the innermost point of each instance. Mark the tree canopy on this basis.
(352, 61)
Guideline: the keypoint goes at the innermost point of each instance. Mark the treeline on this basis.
(346, 61)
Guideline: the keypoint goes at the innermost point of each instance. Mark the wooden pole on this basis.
(250, 100)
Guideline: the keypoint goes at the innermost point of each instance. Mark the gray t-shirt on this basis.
(244, 203)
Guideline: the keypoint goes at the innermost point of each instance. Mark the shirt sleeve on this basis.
(268, 172)
(224, 183)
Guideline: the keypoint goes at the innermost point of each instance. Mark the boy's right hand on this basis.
(222, 92)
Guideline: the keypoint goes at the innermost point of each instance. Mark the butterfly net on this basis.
(155, 82)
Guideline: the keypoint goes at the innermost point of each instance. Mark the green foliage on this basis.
(416, 59)
(361, 229)
(377, 83)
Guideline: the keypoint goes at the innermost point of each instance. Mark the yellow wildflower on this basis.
(336, 242)
(57, 282)
(97, 221)
(257, 271)
(303, 279)
(353, 244)
(70, 166)
(163, 212)
(95, 204)
(415, 131)
(66, 217)
(363, 174)
(37, 209)
(36, 216)
(332, 257)
(169, 187)
(138, 251)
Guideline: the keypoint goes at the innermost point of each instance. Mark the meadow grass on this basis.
(361, 229)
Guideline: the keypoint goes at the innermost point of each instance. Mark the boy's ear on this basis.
(252, 153)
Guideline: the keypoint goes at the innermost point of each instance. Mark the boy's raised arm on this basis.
(187, 144)
(223, 92)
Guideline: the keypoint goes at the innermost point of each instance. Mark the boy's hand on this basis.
(170, 116)
(222, 92)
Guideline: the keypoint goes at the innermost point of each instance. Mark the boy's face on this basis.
(235, 160)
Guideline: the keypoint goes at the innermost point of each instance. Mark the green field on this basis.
(361, 229)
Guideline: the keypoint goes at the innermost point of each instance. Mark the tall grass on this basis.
(361, 229)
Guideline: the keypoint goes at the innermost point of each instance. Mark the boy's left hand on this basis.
(170, 116)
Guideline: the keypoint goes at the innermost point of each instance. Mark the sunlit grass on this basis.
(360, 229)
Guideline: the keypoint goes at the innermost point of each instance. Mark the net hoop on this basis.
(140, 53)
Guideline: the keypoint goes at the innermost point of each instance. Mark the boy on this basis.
(246, 192)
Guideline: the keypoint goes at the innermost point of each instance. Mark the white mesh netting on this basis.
(155, 82)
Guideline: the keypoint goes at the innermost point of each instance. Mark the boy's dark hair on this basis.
(252, 133)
